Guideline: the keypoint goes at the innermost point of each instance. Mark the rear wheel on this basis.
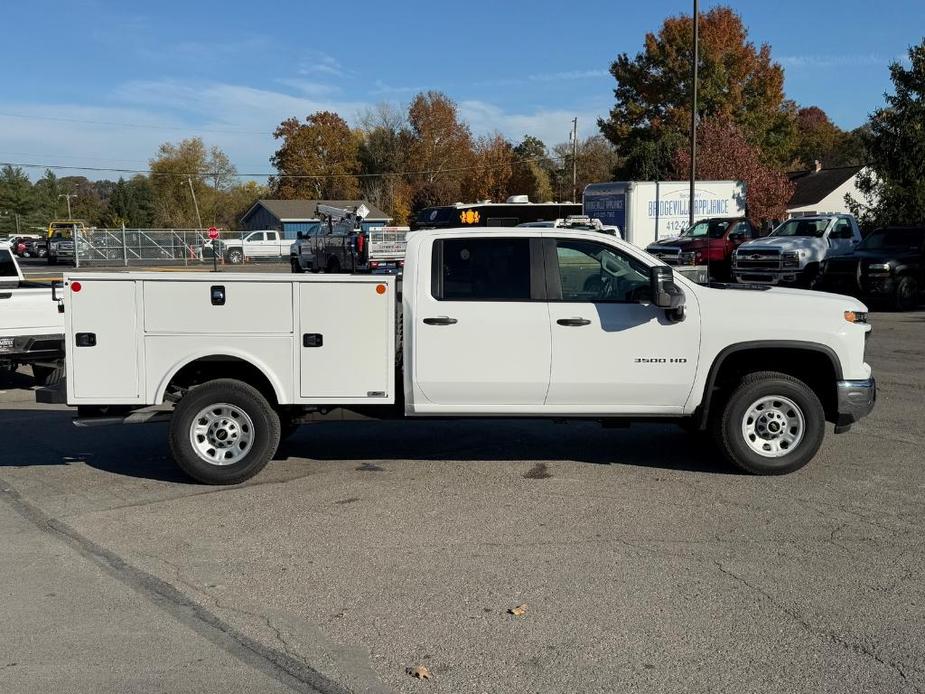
(296, 267)
(235, 256)
(333, 266)
(907, 294)
(223, 432)
(771, 424)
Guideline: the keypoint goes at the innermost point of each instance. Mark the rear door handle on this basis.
(573, 321)
(440, 320)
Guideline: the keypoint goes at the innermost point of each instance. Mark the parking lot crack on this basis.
(825, 634)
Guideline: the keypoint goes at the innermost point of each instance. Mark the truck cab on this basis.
(792, 253)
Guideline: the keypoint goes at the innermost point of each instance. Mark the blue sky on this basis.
(98, 83)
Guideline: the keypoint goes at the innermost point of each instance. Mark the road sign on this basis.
(213, 233)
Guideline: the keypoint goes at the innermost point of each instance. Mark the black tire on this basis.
(52, 260)
(296, 267)
(247, 399)
(906, 297)
(729, 422)
(333, 266)
(235, 256)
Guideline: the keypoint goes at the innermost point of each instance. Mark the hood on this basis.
(878, 255)
(686, 242)
(786, 243)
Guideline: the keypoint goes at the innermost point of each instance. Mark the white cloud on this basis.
(551, 126)
(238, 118)
(319, 63)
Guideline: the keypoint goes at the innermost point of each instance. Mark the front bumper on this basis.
(855, 400)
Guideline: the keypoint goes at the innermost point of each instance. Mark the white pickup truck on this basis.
(544, 323)
(31, 325)
(265, 243)
(792, 253)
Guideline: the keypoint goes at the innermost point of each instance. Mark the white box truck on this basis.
(492, 322)
(647, 211)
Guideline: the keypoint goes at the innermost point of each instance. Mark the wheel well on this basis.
(817, 368)
(220, 366)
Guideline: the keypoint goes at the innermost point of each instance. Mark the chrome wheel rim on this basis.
(773, 426)
(222, 434)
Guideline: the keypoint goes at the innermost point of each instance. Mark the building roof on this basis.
(304, 210)
(812, 186)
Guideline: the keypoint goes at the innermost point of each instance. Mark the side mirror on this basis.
(665, 293)
(737, 236)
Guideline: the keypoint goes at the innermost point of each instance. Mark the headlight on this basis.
(791, 259)
(856, 316)
(878, 267)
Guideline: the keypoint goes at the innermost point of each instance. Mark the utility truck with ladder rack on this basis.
(542, 323)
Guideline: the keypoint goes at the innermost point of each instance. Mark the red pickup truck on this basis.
(708, 242)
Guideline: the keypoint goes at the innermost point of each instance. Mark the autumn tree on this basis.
(737, 81)
(318, 159)
(531, 170)
(440, 147)
(490, 175)
(175, 168)
(596, 159)
(723, 151)
(895, 181)
(383, 156)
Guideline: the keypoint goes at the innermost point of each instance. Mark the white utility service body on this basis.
(649, 211)
(547, 323)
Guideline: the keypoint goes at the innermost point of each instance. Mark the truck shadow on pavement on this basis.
(48, 438)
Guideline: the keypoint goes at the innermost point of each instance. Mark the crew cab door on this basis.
(842, 236)
(612, 352)
(481, 331)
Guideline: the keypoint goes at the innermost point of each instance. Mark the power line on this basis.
(149, 172)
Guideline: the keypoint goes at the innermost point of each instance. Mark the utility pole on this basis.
(195, 204)
(694, 111)
(575, 159)
(68, 196)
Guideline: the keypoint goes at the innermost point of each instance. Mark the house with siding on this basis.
(293, 216)
(822, 191)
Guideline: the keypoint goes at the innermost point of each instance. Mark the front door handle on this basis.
(440, 320)
(573, 321)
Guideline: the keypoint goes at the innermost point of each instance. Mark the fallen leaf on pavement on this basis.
(518, 611)
(421, 672)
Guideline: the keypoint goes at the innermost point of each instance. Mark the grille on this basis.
(758, 260)
(666, 254)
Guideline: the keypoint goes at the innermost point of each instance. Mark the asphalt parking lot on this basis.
(646, 564)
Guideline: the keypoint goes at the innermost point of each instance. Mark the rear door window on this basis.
(481, 269)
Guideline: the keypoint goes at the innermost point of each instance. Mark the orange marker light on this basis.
(380, 289)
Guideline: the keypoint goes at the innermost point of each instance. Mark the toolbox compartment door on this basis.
(102, 345)
(346, 341)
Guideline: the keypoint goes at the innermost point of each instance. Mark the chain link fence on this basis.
(164, 247)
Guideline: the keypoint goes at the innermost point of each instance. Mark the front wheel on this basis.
(223, 432)
(296, 267)
(235, 256)
(771, 424)
(907, 293)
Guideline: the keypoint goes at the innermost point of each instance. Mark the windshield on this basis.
(712, 228)
(898, 239)
(802, 227)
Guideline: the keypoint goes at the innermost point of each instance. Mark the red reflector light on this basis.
(401, 263)
(374, 264)
(380, 289)
(75, 286)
